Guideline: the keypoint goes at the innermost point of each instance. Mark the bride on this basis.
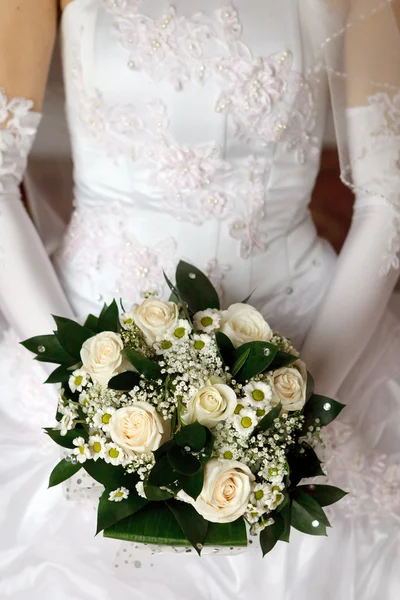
(196, 131)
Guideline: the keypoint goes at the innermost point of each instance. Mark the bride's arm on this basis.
(358, 294)
(29, 289)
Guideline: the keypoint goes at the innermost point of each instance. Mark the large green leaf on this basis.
(64, 470)
(155, 494)
(325, 495)
(304, 464)
(226, 348)
(322, 408)
(72, 336)
(92, 323)
(109, 475)
(307, 515)
(286, 514)
(66, 441)
(177, 299)
(193, 525)
(267, 421)
(282, 359)
(261, 356)
(110, 512)
(194, 436)
(124, 382)
(271, 534)
(310, 386)
(227, 534)
(109, 319)
(162, 473)
(192, 484)
(239, 362)
(195, 288)
(183, 462)
(145, 366)
(59, 375)
(49, 349)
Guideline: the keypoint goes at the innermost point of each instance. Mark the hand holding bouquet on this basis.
(199, 423)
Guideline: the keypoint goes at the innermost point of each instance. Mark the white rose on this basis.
(226, 491)
(101, 356)
(213, 403)
(243, 323)
(289, 385)
(155, 318)
(137, 429)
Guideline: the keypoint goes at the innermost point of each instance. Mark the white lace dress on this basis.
(197, 135)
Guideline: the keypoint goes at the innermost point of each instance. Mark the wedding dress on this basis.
(196, 133)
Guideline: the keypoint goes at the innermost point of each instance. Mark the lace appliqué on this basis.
(98, 244)
(266, 99)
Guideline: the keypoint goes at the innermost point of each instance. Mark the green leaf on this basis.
(267, 421)
(226, 348)
(271, 534)
(227, 534)
(155, 494)
(325, 495)
(193, 525)
(53, 350)
(304, 464)
(261, 356)
(310, 386)
(194, 436)
(286, 514)
(162, 473)
(246, 300)
(66, 441)
(183, 462)
(92, 323)
(145, 366)
(177, 299)
(282, 359)
(164, 448)
(192, 484)
(209, 447)
(110, 476)
(64, 470)
(307, 515)
(195, 288)
(59, 375)
(110, 512)
(109, 319)
(239, 362)
(72, 336)
(124, 382)
(322, 408)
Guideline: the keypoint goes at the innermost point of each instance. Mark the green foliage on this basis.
(62, 471)
(307, 515)
(322, 408)
(195, 288)
(109, 318)
(267, 421)
(226, 348)
(193, 525)
(194, 436)
(271, 534)
(258, 360)
(53, 351)
(110, 512)
(124, 382)
(325, 495)
(66, 441)
(72, 336)
(110, 476)
(148, 368)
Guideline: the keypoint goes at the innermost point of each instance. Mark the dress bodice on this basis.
(196, 134)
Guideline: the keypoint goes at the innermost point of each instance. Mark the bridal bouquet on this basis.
(200, 423)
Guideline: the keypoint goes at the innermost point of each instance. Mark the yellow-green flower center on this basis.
(273, 472)
(276, 488)
(81, 449)
(166, 345)
(238, 408)
(78, 380)
(106, 418)
(278, 498)
(113, 453)
(246, 422)
(119, 494)
(128, 321)
(259, 495)
(97, 447)
(228, 455)
(260, 412)
(206, 321)
(258, 395)
(199, 344)
(180, 332)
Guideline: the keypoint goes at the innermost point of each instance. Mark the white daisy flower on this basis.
(97, 445)
(102, 418)
(140, 489)
(273, 473)
(164, 345)
(228, 453)
(201, 341)
(78, 380)
(254, 513)
(68, 419)
(119, 494)
(260, 526)
(181, 331)
(82, 450)
(245, 421)
(277, 495)
(113, 454)
(258, 395)
(261, 495)
(207, 320)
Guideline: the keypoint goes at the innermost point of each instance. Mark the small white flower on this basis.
(181, 330)
(253, 513)
(258, 395)
(261, 495)
(67, 422)
(82, 451)
(228, 453)
(78, 380)
(273, 473)
(207, 320)
(164, 345)
(102, 418)
(140, 489)
(201, 341)
(119, 494)
(245, 421)
(260, 526)
(114, 454)
(97, 445)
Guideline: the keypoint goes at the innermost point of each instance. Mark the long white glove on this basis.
(29, 289)
(367, 266)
